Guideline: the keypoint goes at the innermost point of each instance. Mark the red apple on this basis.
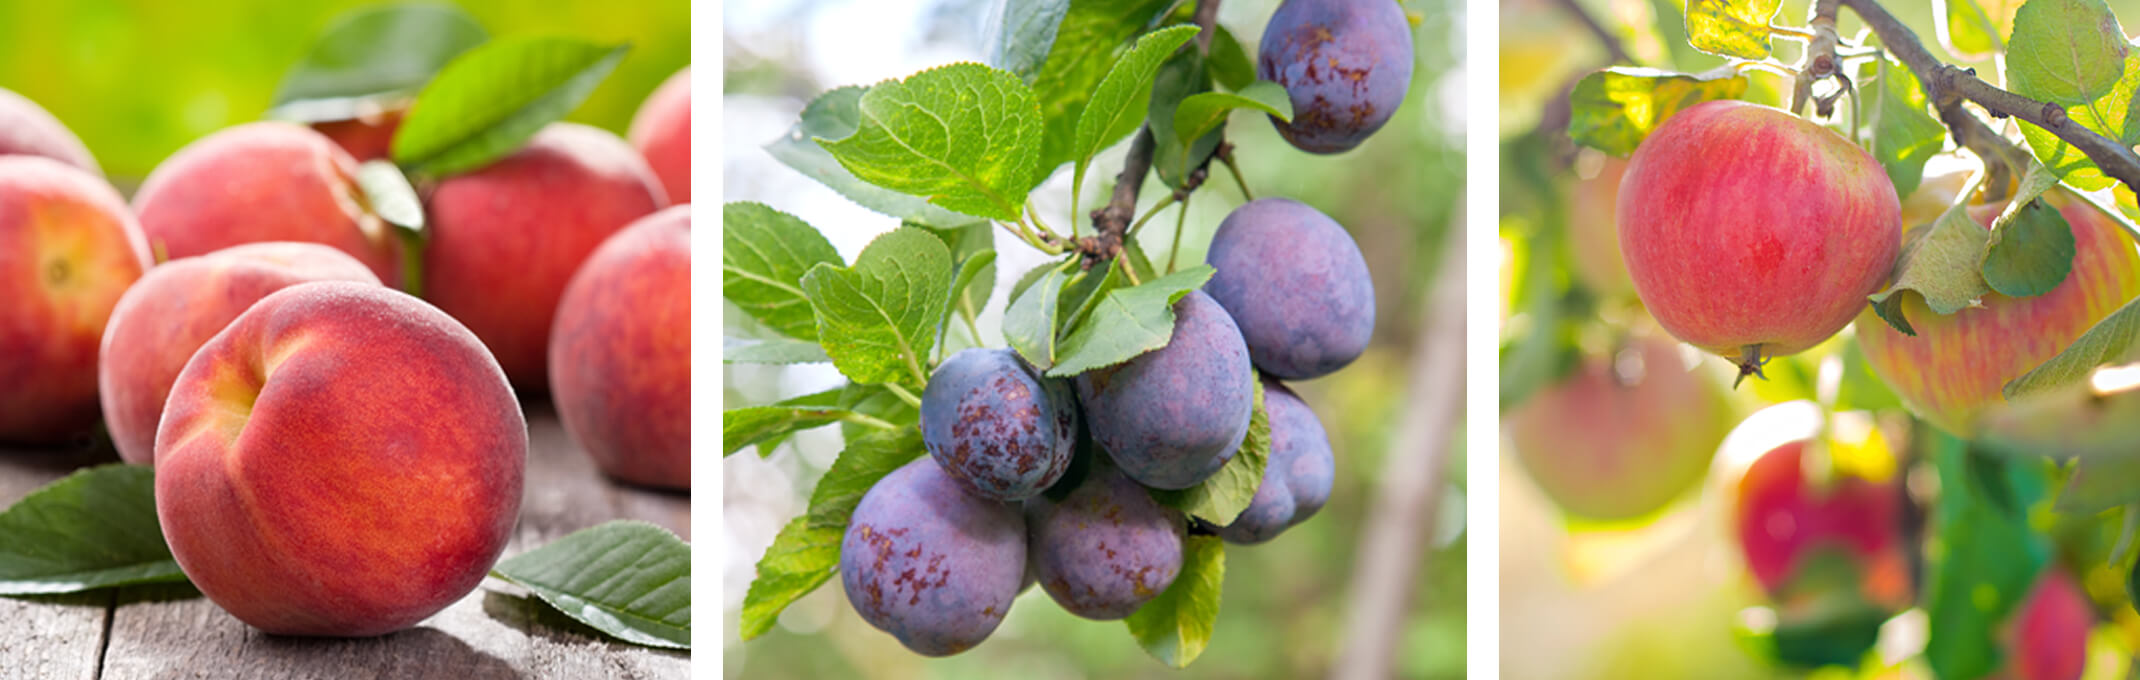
(662, 132)
(1622, 436)
(68, 249)
(1956, 365)
(1753, 233)
(620, 355)
(29, 130)
(176, 307)
(2048, 636)
(1783, 518)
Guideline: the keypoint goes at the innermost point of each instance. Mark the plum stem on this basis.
(903, 394)
(1180, 217)
(1225, 156)
(1111, 223)
(1750, 362)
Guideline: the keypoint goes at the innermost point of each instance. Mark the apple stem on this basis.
(1750, 362)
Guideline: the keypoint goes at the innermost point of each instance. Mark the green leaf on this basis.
(1230, 64)
(876, 402)
(369, 52)
(1614, 109)
(1026, 34)
(487, 102)
(1983, 553)
(2031, 253)
(1032, 276)
(1968, 32)
(1084, 292)
(1092, 33)
(2101, 483)
(1176, 626)
(1905, 135)
(1221, 498)
(92, 529)
(837, 115)
(1029, 322)
(1181, 77)
(2108, 340)
(1732, 28)
(878, 319)
(965, 136)
(1127, 322)
(743, 427)
(390, 195)
(764, 255)
(858, 468)
(1126, 92)
(1940, 263)
(801, 558)
(775, 351)
(627, 578)
(2109, 115)
(1199, 113)
(2067, 52)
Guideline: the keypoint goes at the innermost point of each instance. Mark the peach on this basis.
(29, 130)
(176, 307)
(662, 132)
(506, 239)
(68, 249)
(366, 138)
(620, 355)
(343, 460)
(257, 182)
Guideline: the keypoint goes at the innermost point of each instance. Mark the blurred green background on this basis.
(137, 79)
(1285, 603)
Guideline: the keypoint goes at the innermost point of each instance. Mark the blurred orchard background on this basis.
(1285, 603)
(1668, 594)
(137, 79)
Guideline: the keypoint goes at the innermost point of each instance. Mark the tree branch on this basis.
(1110, 223)
(1605, 37)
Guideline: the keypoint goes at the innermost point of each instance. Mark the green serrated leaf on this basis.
(774, 351)
(858, 468)
(1029, 323)
(801, 558)
(1182, 76)
(1230, 65)
(2107, 341)
(627, 578)
(1614, 109)
(95, 528)
(1221, 498)
(743, 427)
(1176, 626)
(1027, 33)
(837, 114)
(1127, 322)
(1968, 32)
(2067, 52)
(1084, 291)
(373, 52)
(2109, 115)
(1091, 34)
(764, 255)
(1032, 276)
(1113, 111)
(1732, 28)
(1939, 262)
(1201, 112)
(2030, 254)
(1905, 135)
(488, 101)
(965, 136)
(878, 319)
(876, 402)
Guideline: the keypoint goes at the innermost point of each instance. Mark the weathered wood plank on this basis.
(58, 636)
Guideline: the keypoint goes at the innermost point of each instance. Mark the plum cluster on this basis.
(937, 550)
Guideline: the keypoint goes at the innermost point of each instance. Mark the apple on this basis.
(1785, 520)
(2047, 638)
(1623, 435)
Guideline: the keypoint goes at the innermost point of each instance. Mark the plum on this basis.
(997, 425)
(1297, 481)
(933, 565)
(1295, 283)
(1107, 548)
(1345, 64)
(1173, 416)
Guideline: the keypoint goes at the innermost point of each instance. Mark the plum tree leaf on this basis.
(1230, 65)
(801, 558)
(878, 319)
(1221, 498)
(2031, 253)
(1176, 626)
(837, 114)
(1182, 76)
(1022, 40)
(1987, 554)
(1201, 112)
(2067, 52)
(2109, 115)
(859, 466)
(2107, 341)
(764, 255)
(1127, 322)
(1732, 28)
(95, 528)
(489, 100)
(627, 578)
(1083, 292)
(749, 425)
(1905, 135)
(1967, 31)
(1125, 92)
(1091, 33)
(773, 351)
(876, 402)
(372, 52)
(1029, 324)
(965, 136)
(1614, 109)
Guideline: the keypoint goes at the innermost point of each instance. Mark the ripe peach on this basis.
(507, 238)
(29, 130)
(263, 182)
(1767, 254)
(343, 460)
(1956, 365)
(620, 354)
(1623, 436)
(176, 307)
(366, 138)
(68, 249)
(662, 132)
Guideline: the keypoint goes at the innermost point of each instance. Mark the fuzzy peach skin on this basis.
(68, 250)
(28, 129)
(343, 460)
(1743, 225)
(620, 355)
(505, 239)
(176, 307)
(267, 181)
(662, 132)
(1957, 364)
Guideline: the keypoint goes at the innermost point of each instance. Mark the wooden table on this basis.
(498, 631)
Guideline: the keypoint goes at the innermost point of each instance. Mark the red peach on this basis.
(342, 460)
(662, 132)
(28, 129)
(176, 307)
(620, 355)
(506, 239)
(68, 250)
(266, 181)
(366, 138)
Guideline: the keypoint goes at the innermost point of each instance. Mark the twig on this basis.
(1110, 223)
